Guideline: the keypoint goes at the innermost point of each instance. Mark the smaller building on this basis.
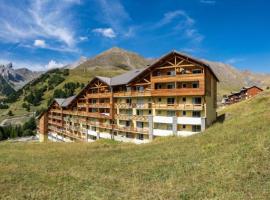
(243, 94)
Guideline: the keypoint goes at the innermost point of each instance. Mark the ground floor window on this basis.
(129, 135)
(196, 128)
(140, 136)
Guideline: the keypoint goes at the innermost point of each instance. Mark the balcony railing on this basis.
(123, 116)
(178, 77)
(99, 105)
(55, 111)
(178, 91)
(55, 123)
(179, 106)
(99, 95)
(132, 93)
(133, 105)
(131, 129)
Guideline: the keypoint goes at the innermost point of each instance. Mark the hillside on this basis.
(228, 161)
(115, 58)
(115, 61)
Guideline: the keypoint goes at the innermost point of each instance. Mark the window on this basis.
(171, 73)
(170, 85)
(150, 112)
(171, 113)
(184, 99)
(169, 126)
(197, 100)
(195, 85)
(184, 85)
(159, 99)
(158, 86)
(196, 128)
(158, 73)
(184, 113)
(139, 112)
(170, 100)
(128, 89)
(140, 88)
(184, 126)
(196, 114)
(159, 112)
(127, 123)
(196, 71)
(128, 101)
(139, 124)
(140, 136)
(129, 135)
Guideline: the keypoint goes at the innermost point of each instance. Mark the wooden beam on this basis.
(169, 63)
(146, 80)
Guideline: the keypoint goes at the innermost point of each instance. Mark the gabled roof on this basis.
(126, 77)
(104, 79)
(131, 75)
(254, 86)
(64, 102)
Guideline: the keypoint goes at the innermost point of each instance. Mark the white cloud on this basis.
(53, 64)
(106, 32)
(234, 60)
(208, 2)
(113, 14)
(38, 19)
(40, 43)
(172, 15)
(182, 24)
(83, 38)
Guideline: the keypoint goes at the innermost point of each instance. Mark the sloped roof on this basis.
(64, 102)
(126, 77)
(104, 79)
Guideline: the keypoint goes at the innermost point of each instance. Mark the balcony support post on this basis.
(151, 124)
(174, 125)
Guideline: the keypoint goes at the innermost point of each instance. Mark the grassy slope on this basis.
(229, 161)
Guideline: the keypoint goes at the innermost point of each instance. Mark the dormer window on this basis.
(196, 71)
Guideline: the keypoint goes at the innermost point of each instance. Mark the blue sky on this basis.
(42, 34)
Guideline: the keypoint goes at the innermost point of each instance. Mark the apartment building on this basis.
(176, 95)
(243, 94)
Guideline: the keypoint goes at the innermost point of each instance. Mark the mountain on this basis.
(230, 160)
(17, 77)
(114, 62)
(115, 58)
(5, 87)
(76, 63)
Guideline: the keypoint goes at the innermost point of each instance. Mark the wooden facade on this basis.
(174, 96)
(243, 94)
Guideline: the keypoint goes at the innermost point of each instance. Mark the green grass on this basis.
(231, 160)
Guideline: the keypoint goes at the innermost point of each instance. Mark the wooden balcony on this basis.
(133, 105)
(99, 105)
(127, 117)
(141, 118)
(131, 129)
(123, 105)
(132, 94)
(101, 125)
(56, 111)
(99, 95)
(123, 116)
(196, 107)
(179, 92)
(55, 117)
(55, 123)
(177, 78)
